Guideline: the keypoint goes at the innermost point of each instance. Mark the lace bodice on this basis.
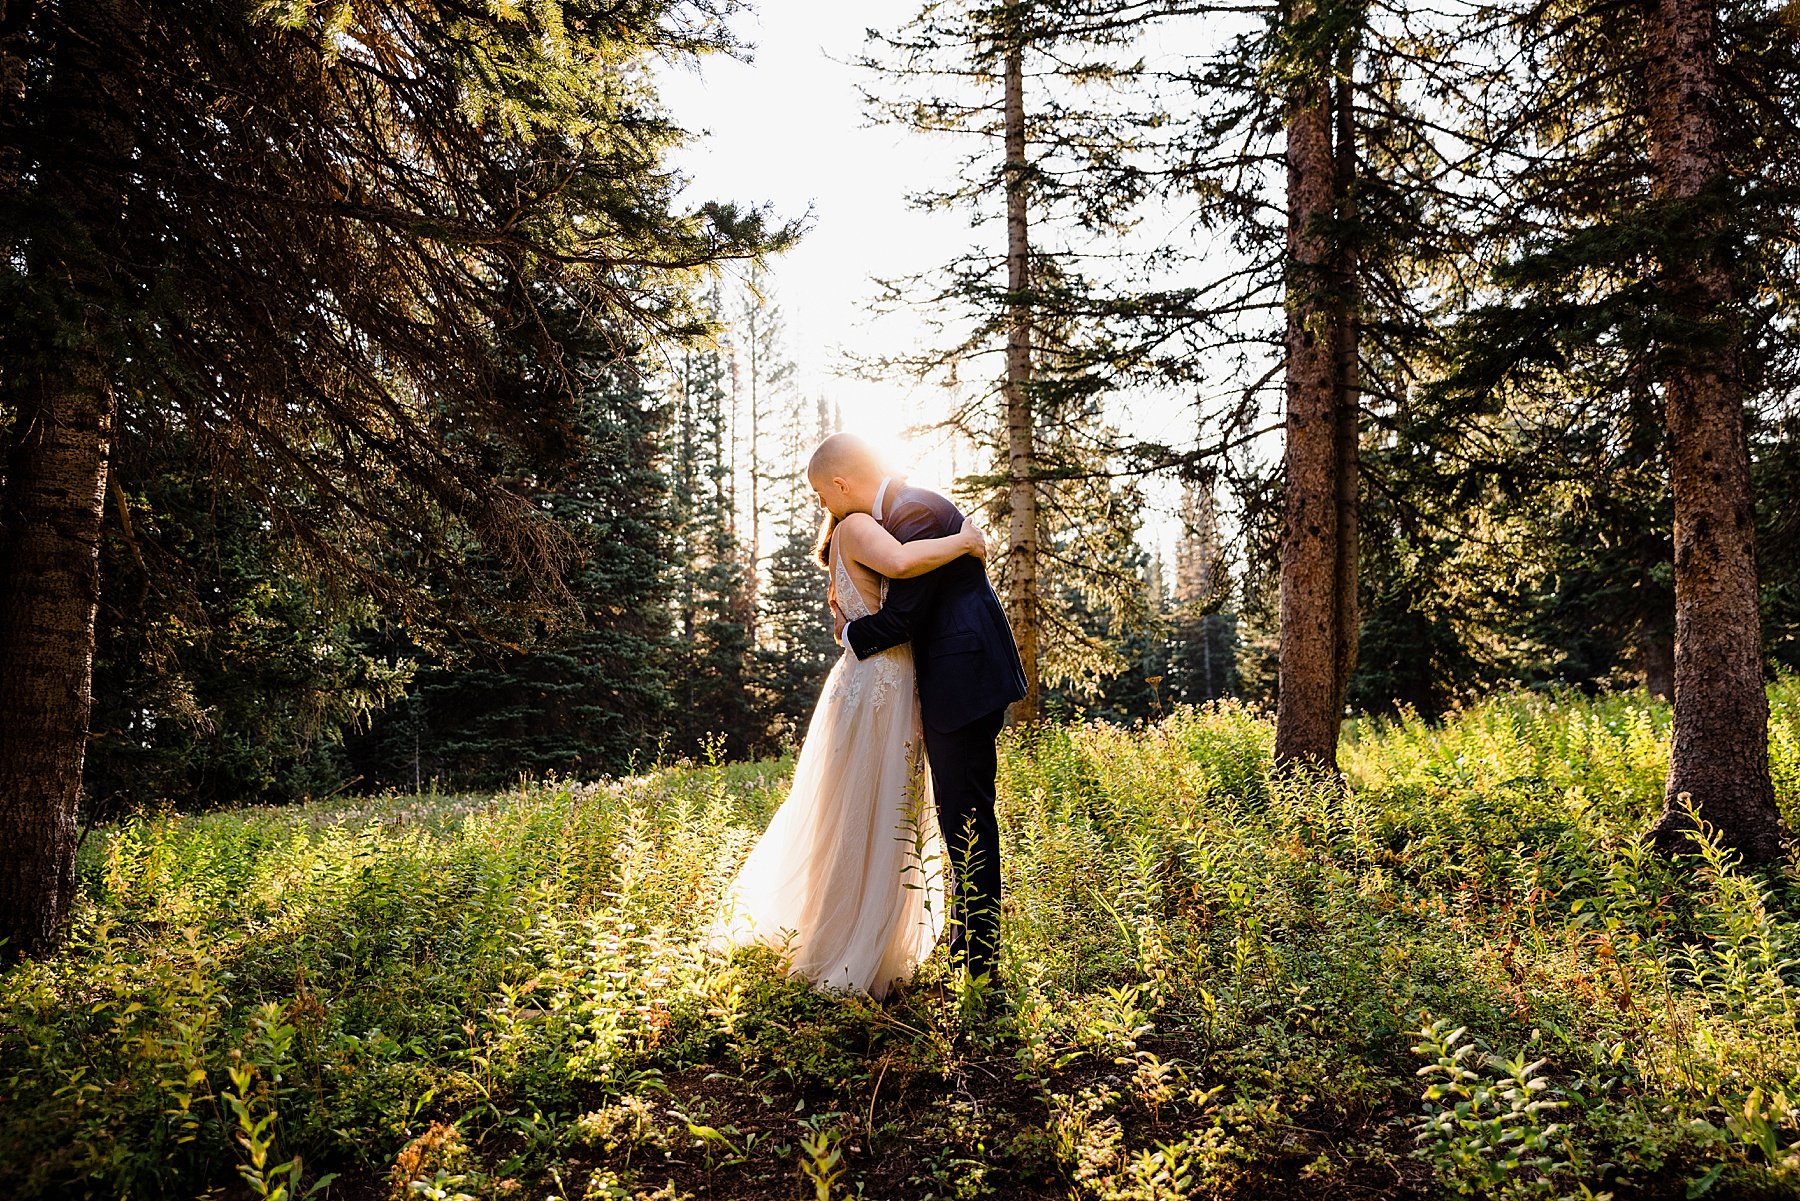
(849, 597)
(876, 680)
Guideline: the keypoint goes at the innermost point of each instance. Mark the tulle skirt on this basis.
(848, 879)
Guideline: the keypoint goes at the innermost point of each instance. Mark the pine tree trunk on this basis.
(1349, 382)
(1306, 723)
(1720, 752)
(49, 593)
(51, 504)
(1206, 671)
(725, 446)
(1021, 452)
(686, 507)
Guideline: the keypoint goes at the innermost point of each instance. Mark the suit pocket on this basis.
(962, 643)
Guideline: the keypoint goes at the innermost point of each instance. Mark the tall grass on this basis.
(1461, 973)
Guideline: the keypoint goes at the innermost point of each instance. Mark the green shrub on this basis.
(1216, 979)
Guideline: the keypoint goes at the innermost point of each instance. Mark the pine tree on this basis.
(1321, 160)
(1719, 756)
(1776, 445)
(1445, 607)
(221, 674)
(1669, 184)
(768, 379)
(217, 215)
(1202, 643)
(1135, 688)
(1316, 56)
(797, 648)
(591, 694)
(1044, 86)
(713, 685)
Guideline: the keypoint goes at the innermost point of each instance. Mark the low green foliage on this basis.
(1461, 973)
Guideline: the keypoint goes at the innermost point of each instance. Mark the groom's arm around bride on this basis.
(968, 666)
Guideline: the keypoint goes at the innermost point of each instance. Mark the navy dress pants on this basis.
(963, 766)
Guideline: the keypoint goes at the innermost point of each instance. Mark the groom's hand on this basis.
(977, 541)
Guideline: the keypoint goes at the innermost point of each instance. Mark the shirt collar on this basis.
(880, 496)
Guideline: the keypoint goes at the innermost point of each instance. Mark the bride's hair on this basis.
(822, 548)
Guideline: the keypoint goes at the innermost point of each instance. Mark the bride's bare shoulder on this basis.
(858, 525)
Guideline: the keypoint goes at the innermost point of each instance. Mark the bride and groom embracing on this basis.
(894, 785)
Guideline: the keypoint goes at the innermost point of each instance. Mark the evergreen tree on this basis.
(1443, 617)
(1134, 690)
(1314, 53)
(1604, 606)
(1202, 637)
(1719, 757)
(797, 648)
(768, 390)
(592, 693)
(1150, 651)
(1321, 160)
(1776, 445)
(1668, 184)
(1309, 152)
(218, 215)
(1043, 86)
(221, 675)
(712, 680)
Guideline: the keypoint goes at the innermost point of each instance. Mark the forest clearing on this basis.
(1215, 984)
(506, 505)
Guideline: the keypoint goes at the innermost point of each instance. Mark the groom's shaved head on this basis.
(844, 455)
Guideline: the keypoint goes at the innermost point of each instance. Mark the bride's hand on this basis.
(977, 542)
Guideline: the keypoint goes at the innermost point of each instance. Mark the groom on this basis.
(967, 667)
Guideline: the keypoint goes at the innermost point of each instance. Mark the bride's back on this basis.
(846, 569)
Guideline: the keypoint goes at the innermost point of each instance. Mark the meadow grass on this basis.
(1459, 975)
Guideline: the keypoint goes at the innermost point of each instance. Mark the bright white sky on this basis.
(790, 128)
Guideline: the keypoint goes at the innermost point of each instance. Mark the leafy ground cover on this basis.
(1461, 975)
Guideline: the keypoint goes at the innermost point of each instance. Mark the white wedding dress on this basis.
(847, 881)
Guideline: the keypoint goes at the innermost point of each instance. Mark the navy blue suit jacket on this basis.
(963, 650)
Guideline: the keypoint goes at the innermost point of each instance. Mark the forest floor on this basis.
(1460, 974)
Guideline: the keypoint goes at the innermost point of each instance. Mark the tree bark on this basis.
(49, 593)
(1313, 550)
(55, 487)
(1021, 450)
(1349, 384)
(1720, 752)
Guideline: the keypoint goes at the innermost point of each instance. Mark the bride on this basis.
(847, 881)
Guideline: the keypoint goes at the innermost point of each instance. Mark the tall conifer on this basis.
(1045, 87)
(797, 648)
(590, 693)
(1668, 182)
(279, 221)
(713, 683)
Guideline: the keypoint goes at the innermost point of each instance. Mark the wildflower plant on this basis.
(1213, 982)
